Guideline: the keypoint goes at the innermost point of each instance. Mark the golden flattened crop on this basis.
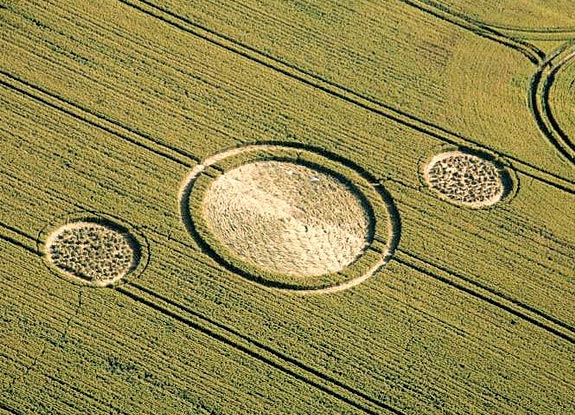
(287, 218)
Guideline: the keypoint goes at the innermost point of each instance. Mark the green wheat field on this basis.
(225, 207)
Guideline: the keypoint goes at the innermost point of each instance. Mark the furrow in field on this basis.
(44, 156)
(109, 77)
(92, 327)
(84, 115)
(63, 397)
(9, 410)
(186, 23)
(514, 15)
(463, 242)
(272, 131)
(340, 147)
(15, 231)
(15, 241)
(495, 297)
(434, 130)
(461, 20)
(376, 359)
(538, 95)
(93, 149)
(182, 254)
(537, 272)
(345, 146)
(274, 126)
(535, 255)
(263, 353)
(525, 220)
(498, 299)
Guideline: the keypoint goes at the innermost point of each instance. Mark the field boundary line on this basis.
(9, 409)
(563, 33)
(263, 353)
(17, 237)
(244, 344)
(343, 93)
(469, 286)
(463, 21)
(538, 96)
(101, 122)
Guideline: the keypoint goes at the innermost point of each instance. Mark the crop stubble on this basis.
(93, 253)
(465, 179)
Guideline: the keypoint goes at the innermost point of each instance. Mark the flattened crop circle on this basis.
(465, 179)
(289, 218)
(92, 251)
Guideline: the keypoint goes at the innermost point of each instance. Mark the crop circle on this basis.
(289, 218)
(91, 252)
(465, 179)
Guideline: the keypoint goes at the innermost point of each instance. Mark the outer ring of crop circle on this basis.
(141, 247)
(542, 89)
(511, 184)
(384, 227)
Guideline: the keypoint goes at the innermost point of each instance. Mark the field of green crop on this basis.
(107, 108)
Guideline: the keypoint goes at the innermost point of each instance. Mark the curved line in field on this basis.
(333, 89)
(348, 94)
(539, 91)
(568, 32)
(394, 228)
(531, 52)
(528, 34)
